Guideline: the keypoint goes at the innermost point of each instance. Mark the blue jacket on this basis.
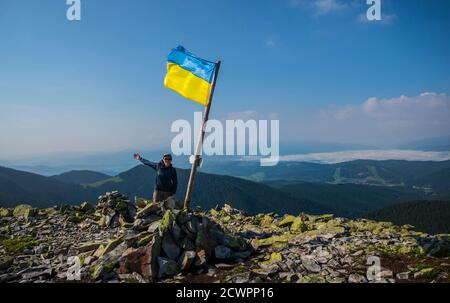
(166, 177)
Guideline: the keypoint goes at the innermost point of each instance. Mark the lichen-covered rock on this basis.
(298, 225)
(5, 212)
(86, 207)
(287, 221)
(24, 211)
(6, 262)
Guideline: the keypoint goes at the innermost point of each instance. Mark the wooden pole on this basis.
(195, 163)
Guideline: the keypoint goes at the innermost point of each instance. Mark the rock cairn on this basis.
(114, 209)
(163, 242)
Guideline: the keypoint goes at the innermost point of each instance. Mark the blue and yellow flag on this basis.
(189, 75)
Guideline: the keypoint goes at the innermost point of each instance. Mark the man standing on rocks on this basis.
(166, 177)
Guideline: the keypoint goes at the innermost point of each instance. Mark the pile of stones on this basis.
(114, 209)
(165, 241)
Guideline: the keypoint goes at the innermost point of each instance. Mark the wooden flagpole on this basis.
(195, 163)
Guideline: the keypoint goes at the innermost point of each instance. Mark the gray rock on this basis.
(167, 268)
(169, 247)
(311, 264)
(356, 278)
(403, 275)
(222, 252)
(153, 227)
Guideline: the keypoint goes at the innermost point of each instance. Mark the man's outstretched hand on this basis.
(137, 157)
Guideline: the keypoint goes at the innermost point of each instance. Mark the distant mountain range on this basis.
(81, 177)
(432, 178)
(210, 190)
(429, 144)
(112, 163)
(22, 187)
(350, 189)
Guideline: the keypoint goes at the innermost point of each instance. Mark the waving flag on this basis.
(189, 75)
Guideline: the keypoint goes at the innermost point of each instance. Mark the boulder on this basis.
(112, 245)
(141, 202)
(86, 207)
(166, 222)
(274, 258)
(5, 262)
(170, 203)
(356, 278)
(24, 211)
(151, 208)
(167, 268)
(222, 252)
(107, 262)
(310, 264)
(142, 260)
(154, 226)
(287, 221)
(298, 225)
(5, 212)
(266, 221)
(89, 246)
(205, 240)
(169, 247)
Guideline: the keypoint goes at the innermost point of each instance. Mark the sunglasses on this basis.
(167, 159)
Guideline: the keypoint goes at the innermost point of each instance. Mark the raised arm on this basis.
(149, 163)
(145, 162)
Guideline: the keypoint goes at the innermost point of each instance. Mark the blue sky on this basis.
(318, 66)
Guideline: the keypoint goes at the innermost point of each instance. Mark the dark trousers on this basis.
(159, 196)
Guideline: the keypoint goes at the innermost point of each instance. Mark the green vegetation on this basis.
(80, 177)
(16, 246)
(337, 175)
(347, 200)
(390, 173)
(375, 174)
(103, 182)
(427, 216)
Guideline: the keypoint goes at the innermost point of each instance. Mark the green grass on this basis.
(375, 174)
(337, 175)
(103, 182)
(258, 177)
(16, 246)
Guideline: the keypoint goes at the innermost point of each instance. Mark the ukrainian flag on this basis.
(189, 75)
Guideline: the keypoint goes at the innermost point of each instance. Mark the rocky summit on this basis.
(131, 242)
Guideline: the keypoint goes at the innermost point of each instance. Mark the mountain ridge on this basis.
(80, 177)
(22, 187)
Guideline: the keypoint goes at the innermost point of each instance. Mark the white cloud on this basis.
(345, 156)
(381, 122)
(251, 115)
(320, 7)
(325, 6)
